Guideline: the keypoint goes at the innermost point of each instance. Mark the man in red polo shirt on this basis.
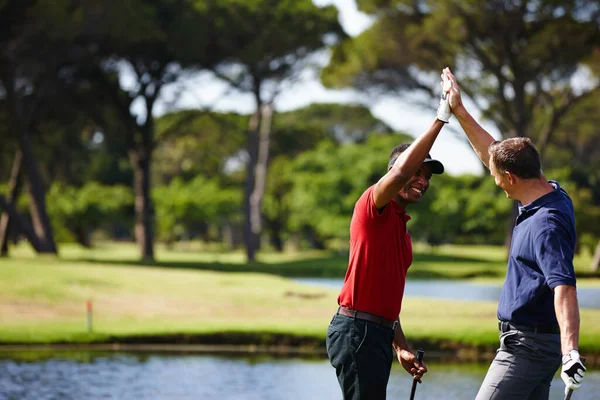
(365, 332)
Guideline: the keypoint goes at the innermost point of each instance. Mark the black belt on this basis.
(506, 326)
(348, 312)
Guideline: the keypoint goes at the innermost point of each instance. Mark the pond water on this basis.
(457, 290)
(182, 377)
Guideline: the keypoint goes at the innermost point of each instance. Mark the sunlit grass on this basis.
(43, 300)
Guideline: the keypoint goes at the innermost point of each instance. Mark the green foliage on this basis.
(183, 206)
(289, 31)
(301, 129)
(278, 199)
(406, 35)
(193, 142)
(587, 211)
(519, 60)
(329, 180)
(133, 300)
(512, 59)
(80, 211)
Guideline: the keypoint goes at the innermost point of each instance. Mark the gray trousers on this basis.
(523, 367)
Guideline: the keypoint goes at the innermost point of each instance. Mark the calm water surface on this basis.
(158, 377)
(457, 290)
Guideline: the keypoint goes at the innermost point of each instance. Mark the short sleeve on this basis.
(365, 208)
(554, 251)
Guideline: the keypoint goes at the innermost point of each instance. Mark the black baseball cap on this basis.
(436, 166)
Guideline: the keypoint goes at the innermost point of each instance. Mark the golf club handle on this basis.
(420, 353)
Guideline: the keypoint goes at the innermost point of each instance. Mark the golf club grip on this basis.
(570, 392)
(420, 353)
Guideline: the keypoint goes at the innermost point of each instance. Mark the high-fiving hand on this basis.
(452, 89)
(443, 111)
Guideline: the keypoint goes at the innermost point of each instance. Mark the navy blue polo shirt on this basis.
(541, 258)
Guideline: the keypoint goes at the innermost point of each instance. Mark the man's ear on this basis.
(511, 178)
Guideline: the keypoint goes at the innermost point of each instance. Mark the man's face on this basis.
(500, 178)
(416, 187)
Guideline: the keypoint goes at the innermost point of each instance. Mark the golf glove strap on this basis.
(573, 370)
(443, 111)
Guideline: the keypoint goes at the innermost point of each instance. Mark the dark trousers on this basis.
(361, 353)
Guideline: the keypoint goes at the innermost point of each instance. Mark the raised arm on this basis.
(405, 166)
(479, 138)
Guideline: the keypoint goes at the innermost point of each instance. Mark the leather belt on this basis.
(506, 326)
(348, 312)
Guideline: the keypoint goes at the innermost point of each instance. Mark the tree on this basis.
(78, 211)
(297, 131)
(513, 59)
(196, 142)
(185, 209)
(37, 51)
(329, 179)
(261, 62)
(151, 40)
(575, 152)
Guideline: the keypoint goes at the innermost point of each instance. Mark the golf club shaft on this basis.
(420, 353)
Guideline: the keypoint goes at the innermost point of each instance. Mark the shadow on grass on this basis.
(325, 267)
(436, 258)
(333, 265)
(431, 274)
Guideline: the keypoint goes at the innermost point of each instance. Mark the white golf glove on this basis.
(443, 111)
(573, 370)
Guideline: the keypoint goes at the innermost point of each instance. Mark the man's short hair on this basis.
(436, 166)
(518, 156)
(398, 150)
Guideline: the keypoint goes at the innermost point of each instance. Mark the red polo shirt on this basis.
(380, 254)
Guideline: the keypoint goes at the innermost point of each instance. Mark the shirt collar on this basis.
(401, 212)
(543, 200)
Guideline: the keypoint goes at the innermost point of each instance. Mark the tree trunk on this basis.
(313, 238)
(276, 240)
(140, 160)
(21, 122)
(596, 258)
(37, 197)
(252, 148)
(82, 235)
(260, 173)
(14, 187)
(21, 224)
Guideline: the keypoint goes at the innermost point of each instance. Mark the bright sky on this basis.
(402, 115)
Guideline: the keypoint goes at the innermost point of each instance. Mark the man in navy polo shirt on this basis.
(538, 311)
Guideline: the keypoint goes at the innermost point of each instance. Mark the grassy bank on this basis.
(440, 262)
(42, 299)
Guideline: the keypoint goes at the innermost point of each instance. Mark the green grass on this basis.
(195, 292)
(440, 262)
